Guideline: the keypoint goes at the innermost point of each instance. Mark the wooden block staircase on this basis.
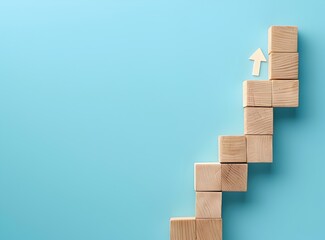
(255, 146)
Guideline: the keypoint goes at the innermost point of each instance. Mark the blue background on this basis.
(106, 105)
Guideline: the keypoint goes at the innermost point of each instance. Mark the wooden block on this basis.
(209, 229)
(285, 93)
(283, 66)
(234, 177)
(208, 205)
(207, 177)
(182, 229)
(259, 148)
(258, 120)
(257, 94)
(232, 149)
(283, 39)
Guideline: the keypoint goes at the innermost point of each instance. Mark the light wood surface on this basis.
(285, 93)
(257, 93)
(258, 120)
(232, 149)
(209, 229)
(283, 66)
(259, 148)
(208, 205)
(282, 39)
(257, 57)
(182, 229)
(207, 177)
(234, 177)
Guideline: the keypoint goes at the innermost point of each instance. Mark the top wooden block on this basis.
(283, 39)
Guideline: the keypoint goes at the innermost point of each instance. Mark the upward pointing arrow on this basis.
(257, 57)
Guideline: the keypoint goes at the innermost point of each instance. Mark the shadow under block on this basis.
(259, 148)
(232, 149)
(283, 66)
(208, 205)
(234, 177)
(258, 120)
(207, 177)
(209, 229)
(282, 39)
(182, 229)
(257, 93)
(285, 93)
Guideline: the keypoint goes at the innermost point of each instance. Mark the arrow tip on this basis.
(258, 56)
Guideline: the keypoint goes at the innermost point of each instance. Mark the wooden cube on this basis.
(182, 229)
(207, 177)
(258, 120)
(209, 229)
(208, 205)
(232, 149)
(283, 39)
(257, 94)
(285, 93)
(283, 66)
(259, 148)
(234, 177)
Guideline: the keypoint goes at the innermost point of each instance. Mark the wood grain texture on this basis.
(259, 148)
(208, 205)
(209, 229)
(285, 93)
(232, 149)
(207, 177)
(283, 66)
(282, 39)
(234, 177)
(258, 120)
(257, 93)
(182, 229)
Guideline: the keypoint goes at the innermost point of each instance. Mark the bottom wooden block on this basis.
(208, 204)
(182, 229)
(209, 229)
(259, 148)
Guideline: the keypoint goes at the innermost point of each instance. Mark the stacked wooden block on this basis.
(283, 66)
(255, 146)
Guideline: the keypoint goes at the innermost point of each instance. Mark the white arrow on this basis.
(257, 57)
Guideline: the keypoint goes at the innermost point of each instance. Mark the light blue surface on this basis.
(106, 105)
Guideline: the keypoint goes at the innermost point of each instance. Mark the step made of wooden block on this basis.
(259, 148)
(209, 229)
(282, 39)
(232, 149)
(257, 93)
(234, 177)
(285, 93)
(208, 205)
(258, 120)
(182, 229)
(283, 66)
(207, 177)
